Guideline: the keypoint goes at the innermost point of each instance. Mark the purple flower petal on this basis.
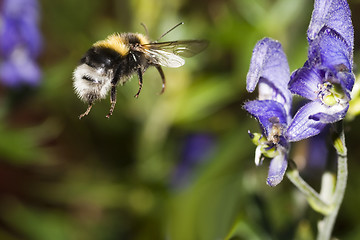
(21, 9)
(31, 37)
(269, 65)
(277, 169)
(332, 114)
(266, 110)
(9, 36)
(20, 18)
(197, 149)
(8, 73)
(346, 80)
(20, 42)
(302, 126)
(304, 82)
(318, 151)
(330, 51)
(334, 14)
(20, 68)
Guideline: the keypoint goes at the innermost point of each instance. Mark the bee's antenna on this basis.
(146, 30)
(180, 23)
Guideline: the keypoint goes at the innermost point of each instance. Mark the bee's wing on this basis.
(163, 58)
(169, 54)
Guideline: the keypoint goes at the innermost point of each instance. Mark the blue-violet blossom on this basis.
(269, 70)
(196, 149)
(326, 78)
(20, 42)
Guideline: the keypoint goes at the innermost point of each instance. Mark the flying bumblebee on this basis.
(114, 60)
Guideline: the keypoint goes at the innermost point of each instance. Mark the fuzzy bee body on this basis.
(113, 61)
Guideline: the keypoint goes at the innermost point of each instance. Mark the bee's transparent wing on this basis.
(169, 54)
(163, 58)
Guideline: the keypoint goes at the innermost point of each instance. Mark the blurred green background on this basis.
(175, 166)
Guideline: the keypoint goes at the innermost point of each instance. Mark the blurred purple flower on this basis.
(196, 149)
(20, 42)
(326, 77)
(269, 70)
(318, 151)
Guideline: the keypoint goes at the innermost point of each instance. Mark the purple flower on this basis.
(317, 150)
(196, 149)
(269, 70)
(326, 77)
(20, 42)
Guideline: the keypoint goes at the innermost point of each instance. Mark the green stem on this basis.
(312, 196)
(327, 224)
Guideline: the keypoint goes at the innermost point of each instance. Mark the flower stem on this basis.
(327, 224)
(312, 196)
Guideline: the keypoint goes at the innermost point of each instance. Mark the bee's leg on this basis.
(87, 111)
(112, 100)
(140, 82)
(158, 67)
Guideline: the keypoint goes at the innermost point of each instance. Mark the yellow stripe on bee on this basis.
(116, 42)
(120, 42)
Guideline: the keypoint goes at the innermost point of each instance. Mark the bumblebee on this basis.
(113, 61)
